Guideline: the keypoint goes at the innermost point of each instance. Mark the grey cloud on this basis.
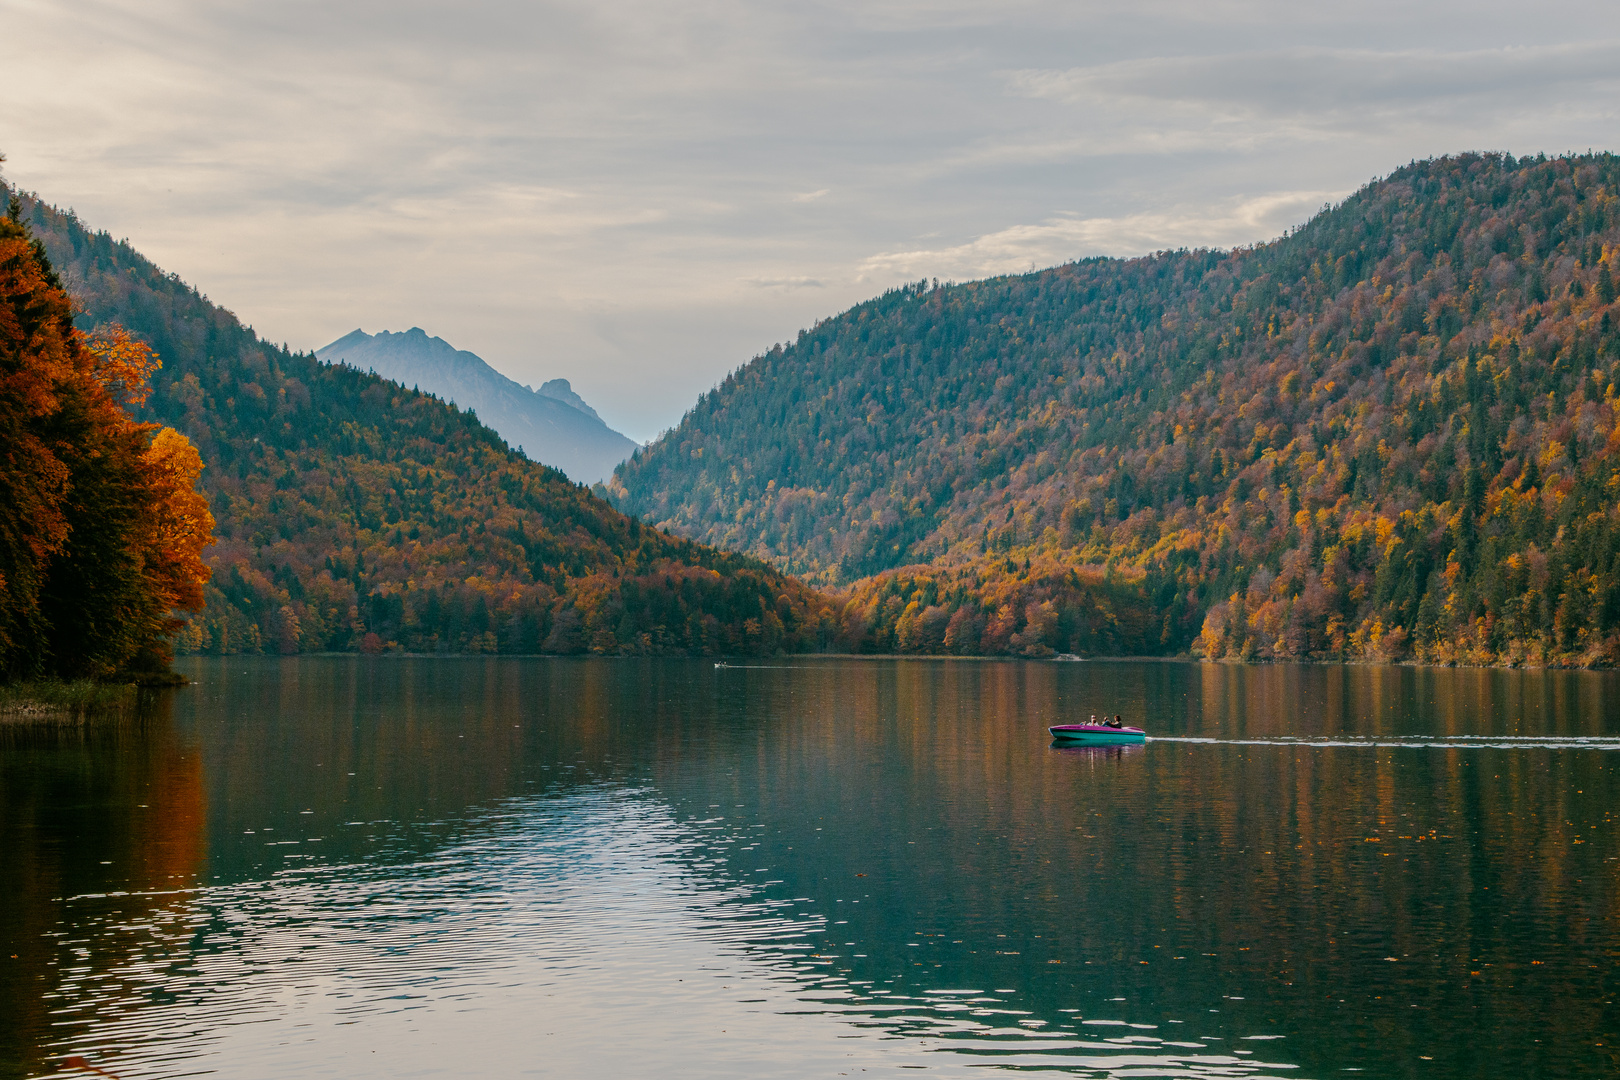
(788, 283)
(1330, 82)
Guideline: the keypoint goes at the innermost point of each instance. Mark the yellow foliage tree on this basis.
(181, 525)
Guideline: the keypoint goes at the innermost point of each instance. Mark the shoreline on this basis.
(49, 702)
(739, 658)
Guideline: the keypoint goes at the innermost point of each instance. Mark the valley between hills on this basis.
(1390, 434)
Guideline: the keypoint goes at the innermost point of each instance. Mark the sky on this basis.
(640, 197)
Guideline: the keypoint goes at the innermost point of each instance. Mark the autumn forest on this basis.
(1391, 434)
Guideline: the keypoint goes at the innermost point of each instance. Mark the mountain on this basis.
(1389, 434)
(354, 514)
(553, 425)
(561, 391)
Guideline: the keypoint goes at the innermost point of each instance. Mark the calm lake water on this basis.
(624, 868)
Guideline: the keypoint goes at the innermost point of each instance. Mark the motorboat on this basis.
(1096, 734)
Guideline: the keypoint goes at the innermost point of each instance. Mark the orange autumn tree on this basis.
(181, 525)
(101, 525)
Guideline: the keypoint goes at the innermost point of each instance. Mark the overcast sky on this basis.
(641, 196)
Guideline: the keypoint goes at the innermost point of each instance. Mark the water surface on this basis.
(469, 867)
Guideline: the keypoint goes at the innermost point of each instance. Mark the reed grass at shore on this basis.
(55, 701)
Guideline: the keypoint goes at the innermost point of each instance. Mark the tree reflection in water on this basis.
(1380, 868)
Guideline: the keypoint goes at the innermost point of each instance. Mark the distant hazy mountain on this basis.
(553, 425)
(559, 389)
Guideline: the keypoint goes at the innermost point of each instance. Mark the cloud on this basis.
(1021, 248)
(788, 283)
(1332, 88)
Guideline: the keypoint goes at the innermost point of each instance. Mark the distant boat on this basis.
(1068, 656)
(721, 664)
(1096, 734)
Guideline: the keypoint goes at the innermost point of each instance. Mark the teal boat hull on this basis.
(1096, 734)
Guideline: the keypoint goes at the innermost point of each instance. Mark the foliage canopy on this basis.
(1390, 433)
(101, 527)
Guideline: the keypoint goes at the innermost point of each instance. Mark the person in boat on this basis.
(1116, 722)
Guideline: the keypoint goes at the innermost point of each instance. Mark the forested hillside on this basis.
(1391, 433)
(355, 514)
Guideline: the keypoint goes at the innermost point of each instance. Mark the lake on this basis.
(313, 867)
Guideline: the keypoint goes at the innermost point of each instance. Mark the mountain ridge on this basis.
(555, 428)
(560, 390)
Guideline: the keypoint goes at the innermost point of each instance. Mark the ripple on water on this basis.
(563, 937)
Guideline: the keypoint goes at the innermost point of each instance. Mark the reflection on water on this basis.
(81, 808)
(458, 867)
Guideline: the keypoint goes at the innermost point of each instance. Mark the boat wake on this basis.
(1419, 742)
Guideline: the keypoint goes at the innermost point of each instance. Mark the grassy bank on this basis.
(54, 701)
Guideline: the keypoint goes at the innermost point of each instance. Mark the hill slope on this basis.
(352, 513)
(1389, 433)
(555, 427)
